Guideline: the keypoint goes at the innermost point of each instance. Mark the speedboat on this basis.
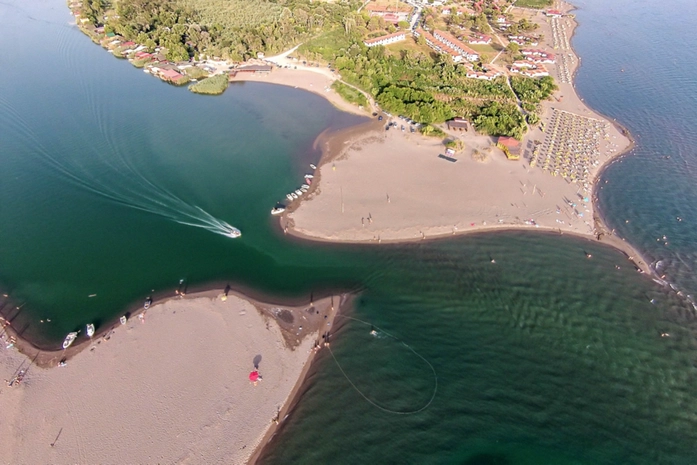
(234, 232)
(304, 189)
(298, 192)
(313, 166)
(294, 195)
(278, 210)
(90, 330)
(69, 339)
(147, 303)
(309, 176)
(123, 320)
(289, 197)
(305, 186)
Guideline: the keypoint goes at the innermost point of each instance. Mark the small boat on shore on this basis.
(148, 303)
(123, 320)
(289, 197)
(69, 339)
(234, 232)
(313, 166)
(294, 195)
(298, 192)
(90, 330)
(305, 186)
(278, 210)
(309, 176)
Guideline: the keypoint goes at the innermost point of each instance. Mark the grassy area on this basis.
(195, 73)
(491, 49)
(533, 3)
(326, 46)
(432, 131)
(213, 85)
(407, 45)
(350, 94)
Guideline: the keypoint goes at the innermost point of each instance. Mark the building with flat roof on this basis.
(458, 124)
(386, 40)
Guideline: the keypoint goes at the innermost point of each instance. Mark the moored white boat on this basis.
(305, 186)
(147, 303)
(298, 192)
(309, 176)
(313, 166)
(90, 330)
(69, 339)
(278, 210)
(123, 320)
(294, 195)
(289, 197)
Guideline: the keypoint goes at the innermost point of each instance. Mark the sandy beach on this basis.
(386, 186)
(171, 388)
(315, 80)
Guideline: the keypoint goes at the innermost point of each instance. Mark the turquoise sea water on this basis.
(116, 184)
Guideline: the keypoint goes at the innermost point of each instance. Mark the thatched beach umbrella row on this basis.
(571, 146)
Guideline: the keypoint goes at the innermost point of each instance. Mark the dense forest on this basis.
(418, 84)
(235, 29)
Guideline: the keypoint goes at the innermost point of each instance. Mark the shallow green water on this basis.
(116, 184)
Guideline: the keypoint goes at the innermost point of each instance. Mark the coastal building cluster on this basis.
(571, 147)
(153, 61)
(391, 14)
(529, 69)
(446, 43)
(533, 64)
(479, 39)
(524, 40)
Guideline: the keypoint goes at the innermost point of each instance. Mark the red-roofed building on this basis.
(479, 39)
(510, 146)
(391, 18)
(553, 13)
(438, 45)
(456, 44)
(169, 75)
(386, 40)
(401, 13)
(488, 74)
(538, 56)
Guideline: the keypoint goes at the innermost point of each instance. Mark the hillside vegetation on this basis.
(533, 3)
(407, 79)
(214, 85)
(230, 29)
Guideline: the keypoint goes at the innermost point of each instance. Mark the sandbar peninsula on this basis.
(173, 386)
(390, 183)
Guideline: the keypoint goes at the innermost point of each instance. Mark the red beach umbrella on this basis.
(254, 376)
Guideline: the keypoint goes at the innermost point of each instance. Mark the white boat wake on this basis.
(115, 177)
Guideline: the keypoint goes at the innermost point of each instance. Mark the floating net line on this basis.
(370, 401)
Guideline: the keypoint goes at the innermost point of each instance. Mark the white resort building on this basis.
(386, 40)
